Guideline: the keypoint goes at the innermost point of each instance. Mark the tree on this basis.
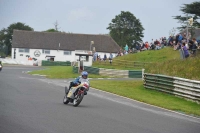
(7, 33)
(126, 28)
(51, 30)
(54, 30)
(172, 32)
(192, 10)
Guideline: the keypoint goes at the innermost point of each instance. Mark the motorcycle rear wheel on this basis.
(78, 100)
(65, 100)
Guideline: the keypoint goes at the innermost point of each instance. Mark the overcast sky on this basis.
(91, 16)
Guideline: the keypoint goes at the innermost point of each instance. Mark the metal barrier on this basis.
(123, 63)
(112, 72)
(189, 89)
(56, 63)
(92, 70)
(135, 74)
(75, 69)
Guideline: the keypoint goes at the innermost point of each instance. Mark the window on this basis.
(44, 51)
(67, 52)
(24, 50)
(85, 58)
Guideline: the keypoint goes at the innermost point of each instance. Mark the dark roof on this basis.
(68, 41)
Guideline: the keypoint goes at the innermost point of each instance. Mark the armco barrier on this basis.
(92, 70)
(55, 63)
(135, 74)
(124, 63)
(189, 89)
(75, 69)
(114, 73)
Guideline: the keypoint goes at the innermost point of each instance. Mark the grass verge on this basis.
(61, 72)
(188, 68)
(135, 90)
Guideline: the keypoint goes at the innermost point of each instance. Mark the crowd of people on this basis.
(179, 41)
(97, 57)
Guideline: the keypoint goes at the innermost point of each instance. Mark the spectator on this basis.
(153, 46)
(194, 46)
(95, 56)
(186, 53)
(110, 58)
(137, 47)
(180, 38)
(147, 45)
(143, 47)
(177, 38)
(105, 57)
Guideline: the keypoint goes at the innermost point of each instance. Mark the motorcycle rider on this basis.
(78, 80)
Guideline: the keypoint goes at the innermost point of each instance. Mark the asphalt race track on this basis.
(33, 104)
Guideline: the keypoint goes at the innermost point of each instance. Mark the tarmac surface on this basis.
(34, 104)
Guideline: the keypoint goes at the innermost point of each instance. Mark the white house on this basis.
(58, 46)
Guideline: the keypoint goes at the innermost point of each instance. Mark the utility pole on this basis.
(187, 28)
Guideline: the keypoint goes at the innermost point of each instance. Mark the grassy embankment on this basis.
(165, 61)
(61, 72)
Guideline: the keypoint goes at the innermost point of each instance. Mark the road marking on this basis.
(169, 113)
(129, 104)
(28, 78)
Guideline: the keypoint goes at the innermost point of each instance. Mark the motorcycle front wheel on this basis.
(78, 100)
(65, 100)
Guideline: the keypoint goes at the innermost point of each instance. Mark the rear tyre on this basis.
(65, 100)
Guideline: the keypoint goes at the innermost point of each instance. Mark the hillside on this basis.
(165, 61)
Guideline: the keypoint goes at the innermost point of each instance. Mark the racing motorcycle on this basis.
(1, 67)
(75, 94)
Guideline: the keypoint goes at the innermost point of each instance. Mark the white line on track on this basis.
(172, 114)
(169, 113)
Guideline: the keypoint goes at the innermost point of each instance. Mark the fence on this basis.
(135, 73)
(189, 89)
(124, 63)
(55, 63)
(92, 70)
(75, 69)
(112, 72)
(16, 62)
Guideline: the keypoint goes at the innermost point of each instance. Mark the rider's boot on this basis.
(85, 92)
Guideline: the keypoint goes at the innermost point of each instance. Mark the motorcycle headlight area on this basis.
(86, 85)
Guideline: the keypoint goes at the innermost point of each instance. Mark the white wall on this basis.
(59, 55)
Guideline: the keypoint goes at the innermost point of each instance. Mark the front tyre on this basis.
(66, 90)
(78, 100)
(65, 100)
